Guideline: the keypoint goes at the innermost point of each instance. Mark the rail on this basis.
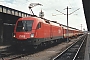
(72, 51)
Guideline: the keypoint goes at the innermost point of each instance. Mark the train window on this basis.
(25, 25)
(39, 25)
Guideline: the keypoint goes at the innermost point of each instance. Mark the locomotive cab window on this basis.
(39, 25)
(25, 25)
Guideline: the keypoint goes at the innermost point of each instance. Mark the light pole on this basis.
(67, 25)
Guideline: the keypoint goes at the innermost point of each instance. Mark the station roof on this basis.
(7, 10)
(86, 6)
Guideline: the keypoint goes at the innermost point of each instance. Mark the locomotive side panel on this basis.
(43, 33)
(39, 32)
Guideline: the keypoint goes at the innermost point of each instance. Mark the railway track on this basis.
(72, 51)
(9, 54)
(14, 57)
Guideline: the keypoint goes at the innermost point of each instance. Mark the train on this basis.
(36, 31)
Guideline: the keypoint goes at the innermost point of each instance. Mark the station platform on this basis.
(87, 49)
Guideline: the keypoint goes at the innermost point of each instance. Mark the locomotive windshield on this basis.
(25, 25)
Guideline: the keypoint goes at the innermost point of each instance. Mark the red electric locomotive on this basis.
(36, 31)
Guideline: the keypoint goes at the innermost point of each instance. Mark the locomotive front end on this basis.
(24, 32)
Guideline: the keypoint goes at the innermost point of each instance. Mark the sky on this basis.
(75, 20)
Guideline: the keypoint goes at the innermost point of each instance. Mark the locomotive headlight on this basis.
(13, 34)
(32, 35)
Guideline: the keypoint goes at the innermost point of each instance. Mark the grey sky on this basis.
(49, 6)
